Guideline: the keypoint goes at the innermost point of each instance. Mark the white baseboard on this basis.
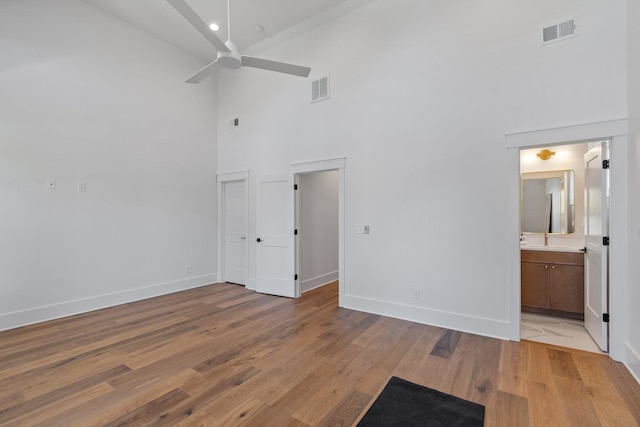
(55, 311)
(251, 284)
(476, 325)
(316, 282)
(632, 361)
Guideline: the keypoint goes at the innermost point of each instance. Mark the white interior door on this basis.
(235, 232)
(596, 226)
(274, 230)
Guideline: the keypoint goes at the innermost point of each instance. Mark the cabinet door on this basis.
(566, 288)
(535, 284)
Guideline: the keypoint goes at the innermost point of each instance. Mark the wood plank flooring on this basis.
(224, 356)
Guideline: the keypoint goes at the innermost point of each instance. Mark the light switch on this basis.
(361, 229)
(51, 184)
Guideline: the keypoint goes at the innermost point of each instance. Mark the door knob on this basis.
(258, 240)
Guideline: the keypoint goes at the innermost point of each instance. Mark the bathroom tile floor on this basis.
(557, 331)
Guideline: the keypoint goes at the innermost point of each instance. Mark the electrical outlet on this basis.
(51, 184)
(187, 269)
(82, 186)
(416, 293)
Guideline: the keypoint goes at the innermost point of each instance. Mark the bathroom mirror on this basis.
(547, 202)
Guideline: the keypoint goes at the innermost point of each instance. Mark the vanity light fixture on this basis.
(214, 27)
(545, 154)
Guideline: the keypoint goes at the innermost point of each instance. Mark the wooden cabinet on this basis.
(553, 283)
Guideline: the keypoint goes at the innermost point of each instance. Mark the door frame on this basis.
(338, 164)
(616, 131)
(222, 179)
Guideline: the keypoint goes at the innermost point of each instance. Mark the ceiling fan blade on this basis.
(204, 73)
(190, 15)
(281, 67)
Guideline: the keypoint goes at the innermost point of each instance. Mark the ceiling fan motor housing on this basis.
(230, 59)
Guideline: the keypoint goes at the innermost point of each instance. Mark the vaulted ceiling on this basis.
(253, 22)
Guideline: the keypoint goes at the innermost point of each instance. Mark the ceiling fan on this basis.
(228, 56)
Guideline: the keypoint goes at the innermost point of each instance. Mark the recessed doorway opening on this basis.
(329, 174)
(564, 199)
(317, 228)
(616, 131)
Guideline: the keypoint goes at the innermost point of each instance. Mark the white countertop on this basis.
(550, 248)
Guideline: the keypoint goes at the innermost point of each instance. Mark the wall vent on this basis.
(320, 89)
(561, 31)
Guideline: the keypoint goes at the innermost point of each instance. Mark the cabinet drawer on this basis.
(568, 258)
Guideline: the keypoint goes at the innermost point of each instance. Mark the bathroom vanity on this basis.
(552, 282)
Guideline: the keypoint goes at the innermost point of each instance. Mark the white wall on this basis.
(318, 228)
(86, 97)
(422, 96)
(632, 351)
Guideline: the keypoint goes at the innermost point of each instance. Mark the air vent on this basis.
(549, 33)
(561, 31)
(320, 89)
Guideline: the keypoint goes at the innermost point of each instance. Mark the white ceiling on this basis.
(280, 19)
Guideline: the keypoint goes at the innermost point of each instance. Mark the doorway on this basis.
(338, 167)
(559, 183)
(565, 262)
(277, 243)
(616, 131)
(316, 228)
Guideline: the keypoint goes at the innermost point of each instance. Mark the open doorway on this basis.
(564, 209)
(616, 131)
(276, 238)
(338, 167)
(317, 228)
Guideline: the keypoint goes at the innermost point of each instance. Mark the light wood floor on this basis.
(222, 355)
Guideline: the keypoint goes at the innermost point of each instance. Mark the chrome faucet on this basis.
(546, 239)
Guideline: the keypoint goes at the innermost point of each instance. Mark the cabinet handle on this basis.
(553, 266)
(546, 266)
